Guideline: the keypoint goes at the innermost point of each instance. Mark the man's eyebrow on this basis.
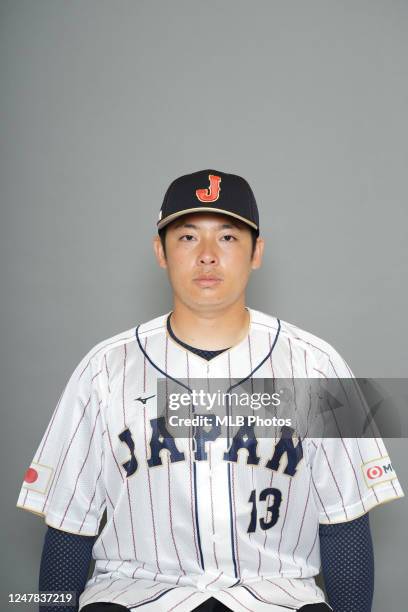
(193, 226)
(181, 224)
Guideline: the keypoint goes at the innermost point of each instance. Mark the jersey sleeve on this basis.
(64, 482)
(350, 476)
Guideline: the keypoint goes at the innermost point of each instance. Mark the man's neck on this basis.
(210, 330)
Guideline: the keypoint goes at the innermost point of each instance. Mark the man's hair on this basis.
(162, 235)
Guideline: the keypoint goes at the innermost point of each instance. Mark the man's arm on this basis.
(347, 557)
(64, 565)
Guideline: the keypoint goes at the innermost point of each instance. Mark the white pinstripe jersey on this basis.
(176, 532)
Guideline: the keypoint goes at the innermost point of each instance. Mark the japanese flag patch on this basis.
(38, 477)
(378, 471)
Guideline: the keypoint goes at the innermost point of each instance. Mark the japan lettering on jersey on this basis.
(183, 522)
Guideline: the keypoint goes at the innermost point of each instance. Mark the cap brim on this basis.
(163, 222)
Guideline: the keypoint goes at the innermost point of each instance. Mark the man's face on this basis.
(208, 259)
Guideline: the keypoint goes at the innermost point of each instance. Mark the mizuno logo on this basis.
(143, 400)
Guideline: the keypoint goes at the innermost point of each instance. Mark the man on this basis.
(203, 521)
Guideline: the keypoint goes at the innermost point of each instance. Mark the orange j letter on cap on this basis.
(212, 193)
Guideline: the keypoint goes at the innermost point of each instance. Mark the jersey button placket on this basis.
(204, 477)
(220, 525)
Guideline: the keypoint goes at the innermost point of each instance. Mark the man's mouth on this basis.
(207, 280)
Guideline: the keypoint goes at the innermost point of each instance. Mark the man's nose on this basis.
(208, 254)
(207, 258)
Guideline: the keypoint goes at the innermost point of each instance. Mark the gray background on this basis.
(104, 103)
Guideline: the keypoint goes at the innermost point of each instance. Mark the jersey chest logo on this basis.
(286, 452)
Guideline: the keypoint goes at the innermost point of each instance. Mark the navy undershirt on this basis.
(346, 551)
(201, 352)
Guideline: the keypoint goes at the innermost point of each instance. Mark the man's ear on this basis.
(159, 252)
(258, 253)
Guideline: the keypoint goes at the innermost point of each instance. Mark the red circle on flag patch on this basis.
(374, 472)
(31, 475)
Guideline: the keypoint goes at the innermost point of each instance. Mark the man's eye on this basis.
(186, 237)
(229, 237)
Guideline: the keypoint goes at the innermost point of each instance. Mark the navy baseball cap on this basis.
(210, 191)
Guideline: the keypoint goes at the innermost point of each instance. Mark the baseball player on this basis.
(203, 521)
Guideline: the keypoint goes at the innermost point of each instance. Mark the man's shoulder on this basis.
(119, 341)
(297, 337)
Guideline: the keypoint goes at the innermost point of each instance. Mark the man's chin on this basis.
(205, 300)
